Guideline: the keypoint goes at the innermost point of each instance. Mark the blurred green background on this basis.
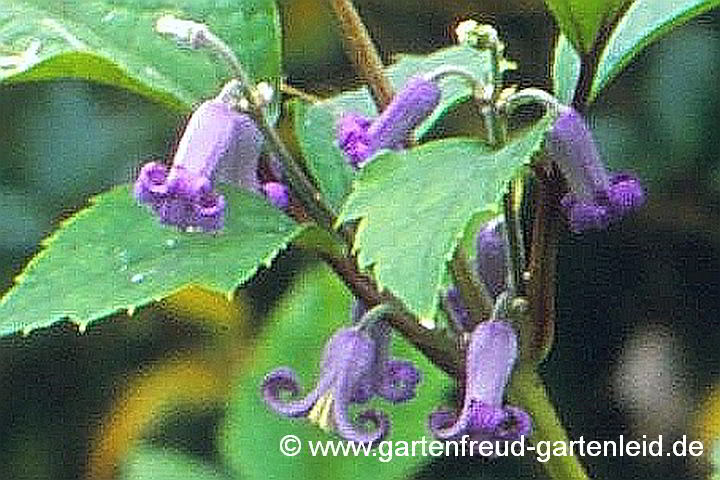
(636, 348)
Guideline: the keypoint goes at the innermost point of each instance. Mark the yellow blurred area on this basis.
(707, 421)
(208, 308)
(197, 379)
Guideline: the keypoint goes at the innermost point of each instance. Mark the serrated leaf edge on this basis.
(367, 264)
(130, 309)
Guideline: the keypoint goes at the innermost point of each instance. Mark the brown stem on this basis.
(589, 61)
(543, 261)
(362, 52)
(478, 299)
(434, 345)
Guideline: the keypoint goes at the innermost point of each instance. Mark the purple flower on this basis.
(490, 359)
(277, 193)
(491, 263)
(393, 379)
(595, 197)
(457, 310)
(491, 266)
(360, 137)
(217, 142)
(350, 358)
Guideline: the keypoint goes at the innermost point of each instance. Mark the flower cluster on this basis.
(219, 143)
(357, 366)
(490, 357)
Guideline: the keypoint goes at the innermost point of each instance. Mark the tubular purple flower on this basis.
(217, 142)
(491, 267)
(348, 360)
(393, 379)
(491, 263)
(360, 137)
(595, 197)
(490, 359)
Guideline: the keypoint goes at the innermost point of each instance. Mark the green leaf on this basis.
(643, 23)
(114, 42)
(315, 307)
(315, 124)
(146, 462)
(315, 130)
(319, 240)
(115, 255)
(566, 70)
(581, 20)
(415, 204)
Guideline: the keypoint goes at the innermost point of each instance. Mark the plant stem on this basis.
(496, 123)
(542, 268)
(478, 299)
(298, 182)
(513, 203)
(362, 52)
(527, 390)
(311, 198)
(434, 345)
(589, 61)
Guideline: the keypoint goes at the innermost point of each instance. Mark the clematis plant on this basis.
(219, 143)
(444, 242)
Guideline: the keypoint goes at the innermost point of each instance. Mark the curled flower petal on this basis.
(517, 423)
(284, 380)
(399, 380)
(150, 184)
(360, 138)
(626, 193)
(356, 431)
(210, 212)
